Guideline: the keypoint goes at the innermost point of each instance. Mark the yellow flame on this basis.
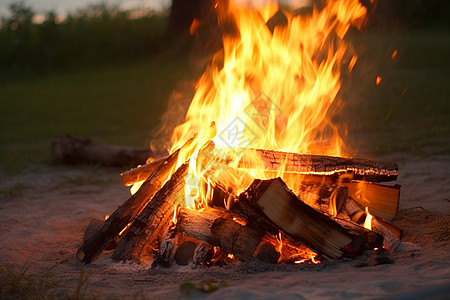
(125, 229)
(368, 221)
(378, 80)
(272, 89)
(106, 217)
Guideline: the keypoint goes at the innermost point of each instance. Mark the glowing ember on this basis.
(395, 54)
(378, 80)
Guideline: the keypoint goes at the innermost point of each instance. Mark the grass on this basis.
(118, 105)
(407, 112)
(20, 285)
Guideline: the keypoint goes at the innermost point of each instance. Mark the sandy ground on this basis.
(44, 211)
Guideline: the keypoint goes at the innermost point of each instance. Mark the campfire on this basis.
(258, 169)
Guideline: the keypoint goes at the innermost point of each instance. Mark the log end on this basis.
(81, 255)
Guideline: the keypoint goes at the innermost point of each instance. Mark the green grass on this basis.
(118, 105)
(410, 110)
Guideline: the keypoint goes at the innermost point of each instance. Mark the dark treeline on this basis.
(95, 35)
(102, 34)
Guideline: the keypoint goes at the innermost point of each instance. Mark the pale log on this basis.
(382, 200)
(215, 227)
(392, 235)
(140, 173)
(70, 150)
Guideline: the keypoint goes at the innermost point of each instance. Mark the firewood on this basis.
(328, 198)
(297, 219)
(185, 253)
(128, 211)
(370, 239)
(167, 247)
(140, 173)
(70, 150)
(392, 235)
(382, 200)
(267, 253)
(203, 254)
(214, 227)
(308, 164)
(146, 231)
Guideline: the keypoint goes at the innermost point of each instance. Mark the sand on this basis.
(45, 209)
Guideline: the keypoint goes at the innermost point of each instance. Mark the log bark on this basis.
(215, 227)
(308, 164)
(146, 231)
(70, 150)
(128, 211)
(301, 222)
(140, 173)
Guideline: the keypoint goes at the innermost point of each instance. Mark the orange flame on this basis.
(271, 88)
(368, 221)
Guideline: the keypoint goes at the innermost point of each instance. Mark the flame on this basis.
(106, 217)
(395, 54)
(271, 87)
(368, 221)
(125, 229)
(378, 80)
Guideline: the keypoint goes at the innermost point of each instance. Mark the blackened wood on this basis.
(267, 253)
(140, 173)
(185, 253)
(147, 229)
(215, 227)
(70, 150)
(297, 219)
(126, 212)
(368, 239)
(309, 164)
(167, 247)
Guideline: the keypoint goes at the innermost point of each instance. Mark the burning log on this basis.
(140, 173)
(272, 199)
(270, 160)
(70, 150)
(328, 198)
(146, 231)
(128, 211)
(216, 228)
(382, 200)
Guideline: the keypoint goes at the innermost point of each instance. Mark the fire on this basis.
(272, 88)
(368, 221)
(378, 80)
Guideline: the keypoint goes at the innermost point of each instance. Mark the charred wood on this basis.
(214, 227)
(298, 220)
(126, 212)
(146, 231)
